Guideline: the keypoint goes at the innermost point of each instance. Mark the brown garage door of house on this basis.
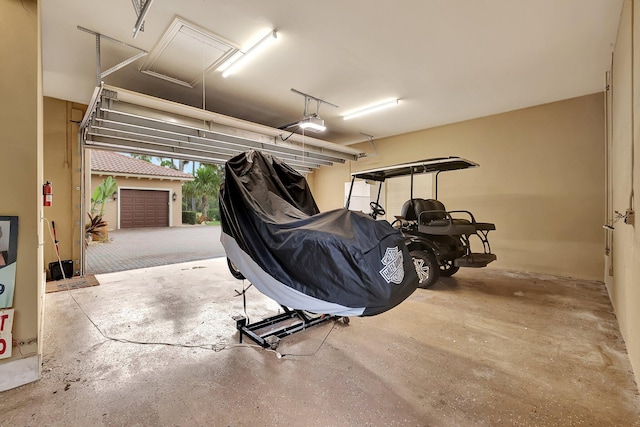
(144, 208)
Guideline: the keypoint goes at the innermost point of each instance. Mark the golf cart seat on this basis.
(431, 217)
(479, 226)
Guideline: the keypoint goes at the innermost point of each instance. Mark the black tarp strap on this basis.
(244, 299)
(413, 207)
(379, 191)
(346, 206)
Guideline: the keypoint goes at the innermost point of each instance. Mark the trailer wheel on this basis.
(426, 267)
(234, 270)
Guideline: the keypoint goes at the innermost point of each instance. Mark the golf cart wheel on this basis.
(234, 270)
(447, 269)
(426, 267)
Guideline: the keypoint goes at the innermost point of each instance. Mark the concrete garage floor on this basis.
(485, 348)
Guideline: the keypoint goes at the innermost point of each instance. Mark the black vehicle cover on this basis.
(338, 262)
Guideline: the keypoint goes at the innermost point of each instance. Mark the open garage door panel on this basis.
(121, 120)
(144, 208)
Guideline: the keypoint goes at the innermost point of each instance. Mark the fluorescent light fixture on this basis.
(313, 124)
(370, 109)
(229, 62)
(234, 63)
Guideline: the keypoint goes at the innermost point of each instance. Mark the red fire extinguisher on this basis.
(47, 193)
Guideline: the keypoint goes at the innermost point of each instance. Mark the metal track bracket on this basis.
(99, 37)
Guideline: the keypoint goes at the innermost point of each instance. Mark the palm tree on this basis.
(144, 157)
(207, 183)
(189, 194)
(168, 163)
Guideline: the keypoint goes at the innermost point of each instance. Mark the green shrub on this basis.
(214, 213)
(188, 217)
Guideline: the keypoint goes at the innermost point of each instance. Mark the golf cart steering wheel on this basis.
(376, 209)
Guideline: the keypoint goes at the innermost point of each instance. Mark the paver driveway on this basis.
(129, 249)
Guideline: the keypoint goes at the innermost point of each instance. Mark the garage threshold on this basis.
(485, 347)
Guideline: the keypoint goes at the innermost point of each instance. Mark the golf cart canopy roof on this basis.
(435, 165)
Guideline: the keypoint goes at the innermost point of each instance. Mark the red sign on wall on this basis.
(6, 324)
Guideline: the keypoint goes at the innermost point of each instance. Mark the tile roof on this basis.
(108, 161)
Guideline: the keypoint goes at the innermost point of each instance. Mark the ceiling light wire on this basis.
(284, 139)
(204, 99)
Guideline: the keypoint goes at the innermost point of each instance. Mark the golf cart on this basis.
(439, 241)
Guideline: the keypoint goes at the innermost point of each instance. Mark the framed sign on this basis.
(8, 256)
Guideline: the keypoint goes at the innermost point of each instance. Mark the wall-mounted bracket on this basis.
(99, 37)
(630, 217)
(370, 141)
(307, 99)
(142, 8)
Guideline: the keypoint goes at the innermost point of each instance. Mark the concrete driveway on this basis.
(129, 249)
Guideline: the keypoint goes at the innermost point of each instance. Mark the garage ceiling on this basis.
(447, 61)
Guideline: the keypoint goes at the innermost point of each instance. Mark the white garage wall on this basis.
(21, 170)
(622, 270)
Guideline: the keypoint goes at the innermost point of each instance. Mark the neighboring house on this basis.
(148, 195)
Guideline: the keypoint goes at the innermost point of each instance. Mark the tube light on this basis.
(370, 109)
(229, 62)
(234, 63)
